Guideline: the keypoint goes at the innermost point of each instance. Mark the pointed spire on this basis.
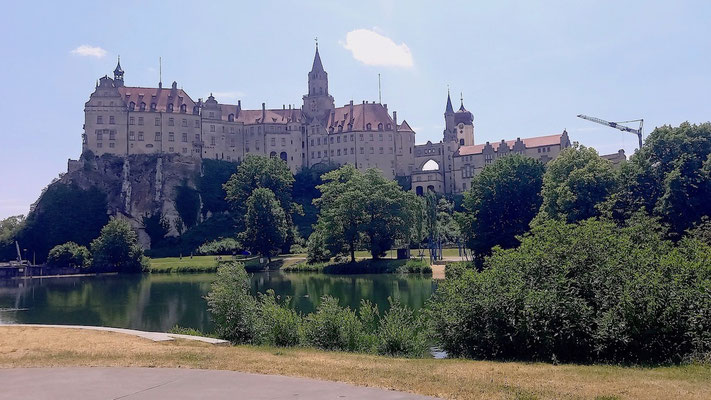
(461, 99)
(118, 69)
(317, 66)
(449, 108)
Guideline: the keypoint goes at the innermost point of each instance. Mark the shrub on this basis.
(234, 310)
(415, 266)
(401, 333)
(332, 327)
(316, 248)
(581, 292)
(69, 254)
(219, 247)
(279, 325)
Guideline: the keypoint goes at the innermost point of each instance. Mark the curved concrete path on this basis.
(174, 384)
(154, 336)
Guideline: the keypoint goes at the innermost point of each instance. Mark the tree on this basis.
(670, 177)
(117, 249)
(69, 254)
(261, 172)
(266, 226)
(187, 203)
(501, 203)
(64, 213)
(9, 229)
(233, 309)
(364, 208)
(575, 183)
(156, 226)
(215, 173)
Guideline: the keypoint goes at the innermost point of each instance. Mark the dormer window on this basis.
(231, 118)
(143, 106)
(388, 127)
(380, 126)
(170, 107)
(330, 130)
(196, 110)
(153, 106)
(368, 126)
(132, 106)
(183, 108)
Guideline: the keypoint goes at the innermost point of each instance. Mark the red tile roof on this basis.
(363, 114)
(537, 141)
(161, 97)
(273, 116)
(404, 127)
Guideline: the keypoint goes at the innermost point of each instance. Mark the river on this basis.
(157, 302)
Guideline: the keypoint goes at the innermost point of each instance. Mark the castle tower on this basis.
(118, 74)
(450, 132)
(464, 126)
(318, 103)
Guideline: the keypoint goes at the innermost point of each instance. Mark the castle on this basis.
(126, 120)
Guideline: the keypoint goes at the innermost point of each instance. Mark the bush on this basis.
(415, 266)
(233, 309)
(316, 248)
(332, 327)
(69, 254)
(581, 292)
(401, 333)
(279, 325)
(220, 247)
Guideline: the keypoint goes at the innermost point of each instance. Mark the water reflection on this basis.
(158, 302)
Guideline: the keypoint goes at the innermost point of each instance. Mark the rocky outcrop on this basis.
(136, 185)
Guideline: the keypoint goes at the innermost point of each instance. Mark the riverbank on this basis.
(461, 379)
(196, 264)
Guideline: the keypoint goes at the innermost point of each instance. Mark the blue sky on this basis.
(525, 68)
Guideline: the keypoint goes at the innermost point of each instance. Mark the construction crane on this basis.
(617, 125)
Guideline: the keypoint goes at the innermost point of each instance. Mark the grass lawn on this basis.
(209, 263)
(451, 379)
(363, 266)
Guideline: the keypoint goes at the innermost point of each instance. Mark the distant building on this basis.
(124, 120)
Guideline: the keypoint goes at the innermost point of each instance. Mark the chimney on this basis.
(289, 106)
(283, 106)
(395, 119)
(264, 112)
(386, 106)
(239, 104)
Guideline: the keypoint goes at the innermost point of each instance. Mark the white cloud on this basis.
(90, 51)
(372, 48)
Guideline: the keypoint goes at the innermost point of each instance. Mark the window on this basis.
(185, 122)
(99, 119)
(111, 120)
(183, 109)
(171, 122)
(132, 121)
(361, 136)
(132, 136)
(197, 137)
(157, 137)
(338, 153)
(312, 143)
(313, 155)
(212, 128)
(368, 127)
(153, 106)
(352, 150)
(274, 143)
(380, 128)
(332, 140)
(231, 118)
(380, 136)
(170, 107)
(140, 136)
(197, 123)
(318, 141)
(371, 137)
(170, 149)
(212, 141)
(132, 106)
(112, 135)
(185, 150)
(361, 151)
(112, 145)
(142, 107)
(99, 145)
(171, 137)
(140, 120)
(319, 154)
(381, 150)
(283, 141)
(185, 137)
(372, 150)
(338, 139)
(331, 153)
(157, 121)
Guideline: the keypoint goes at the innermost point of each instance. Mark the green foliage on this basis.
(220, 247)
(179, 225)
(591, 291)
(156, 226)
(117, 249)
(257, 172)
(234, 311)
(304, 192)
(214, 228)
(332, 327)
(501, 203)
(670, 177)
(266, 225)
(401, 333)
(69, 254)
(187, 203)
(364, 209)
(279, 324)
(575, 183)
(414, 266)
(215, 173)
(317, 250)
(64, 213)
(9, 228)
(180, 330)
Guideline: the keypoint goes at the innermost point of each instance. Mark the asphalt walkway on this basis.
(174, 384)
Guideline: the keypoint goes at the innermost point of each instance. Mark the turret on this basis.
(449, 125)
(118, 73)
(318, 103)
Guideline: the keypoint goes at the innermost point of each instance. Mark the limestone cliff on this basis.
(136, 185)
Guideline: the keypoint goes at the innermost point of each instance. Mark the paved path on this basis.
(174, 384)
(154, 336)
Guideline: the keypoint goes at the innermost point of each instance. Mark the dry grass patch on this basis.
(455, 379)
